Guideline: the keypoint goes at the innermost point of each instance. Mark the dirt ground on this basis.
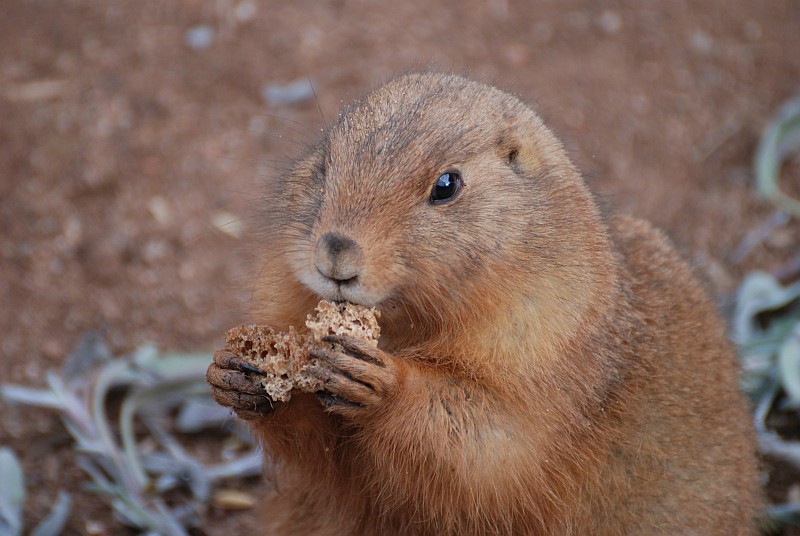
(126, 141)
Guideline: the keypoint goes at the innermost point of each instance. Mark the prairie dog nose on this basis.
(337, 257)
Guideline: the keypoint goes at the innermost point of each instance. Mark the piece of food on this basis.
(283, 357)
(344, 319)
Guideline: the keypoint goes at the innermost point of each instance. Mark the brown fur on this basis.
(556, 373)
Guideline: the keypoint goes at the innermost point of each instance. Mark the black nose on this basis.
(338, 257)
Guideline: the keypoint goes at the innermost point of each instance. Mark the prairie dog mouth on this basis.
(350, 290)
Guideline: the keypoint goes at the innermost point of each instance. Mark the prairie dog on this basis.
(542, 369)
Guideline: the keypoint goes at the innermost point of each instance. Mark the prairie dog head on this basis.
(439, 198)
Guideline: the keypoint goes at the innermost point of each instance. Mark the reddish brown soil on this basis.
(119, 143)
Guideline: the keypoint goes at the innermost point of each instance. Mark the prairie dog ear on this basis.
(508, 147)
(527, 144)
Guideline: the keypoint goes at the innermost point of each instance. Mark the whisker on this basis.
(287, 138)
(213, 230)
(319, 107)
(298, 123)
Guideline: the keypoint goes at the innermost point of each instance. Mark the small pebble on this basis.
(701, 41)
(516, 54)
(94, 528)
(752, 30)
(200, 37)
(53, 349)
(246, 10)
(610, 21)
(231, 499)
(793, 493)
(228, 223)
(291, 93)
(781, 238)
(38, 90)
(160, 210)
(155, 250)
(543, 32)
(73, 231)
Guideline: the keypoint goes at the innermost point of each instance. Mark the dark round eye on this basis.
(446, 187)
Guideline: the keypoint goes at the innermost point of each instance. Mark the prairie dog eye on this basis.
(446, 187)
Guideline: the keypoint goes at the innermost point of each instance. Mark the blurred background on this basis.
(135, 137)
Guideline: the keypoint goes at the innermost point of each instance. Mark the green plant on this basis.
(137, 463)
(12, 498)
(766, 322)
(766, 327)
(781, 137)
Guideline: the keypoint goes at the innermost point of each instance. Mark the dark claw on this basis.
(233, 385)
(244, 366)
(329, 401)
(232, 380)
(257, 404)
(317, 352)
(326, 374)
(231, 360)
(351, 346)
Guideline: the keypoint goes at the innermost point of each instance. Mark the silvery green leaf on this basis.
(788, 513)
(12, 493)
(128, 516)
(251, 464)
(289, 93)
(781, 137)
(781, 327)
(130, 476)
(18, 394)
(56, 384)
(54, 523)
(166, 482)
(197, 414)
(158, 463)
(145, 355)
(773, 445)
(176, 367)
(789, 367)
(758, 293)
(99, 490)
(198, 481)
(91, 351)
(95, 473)
(759, 347)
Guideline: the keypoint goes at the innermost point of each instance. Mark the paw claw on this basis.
(229, 360)
(232, 380)
(232, 386)
(331, 401)
(356, 348)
